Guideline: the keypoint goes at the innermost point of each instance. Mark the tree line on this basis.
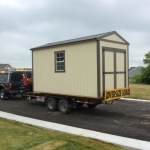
(144, 77)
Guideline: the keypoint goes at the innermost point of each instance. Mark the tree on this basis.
(145, 74)
(136, 79)
(147, 58)
(144, 77)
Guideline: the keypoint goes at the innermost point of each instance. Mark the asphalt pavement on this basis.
(126, 119)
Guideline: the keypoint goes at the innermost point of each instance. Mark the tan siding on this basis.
(80, 77)
(111, 45)
(120, 62)
(109, 61)
(109, 81)
(114, 37)
(120, 80)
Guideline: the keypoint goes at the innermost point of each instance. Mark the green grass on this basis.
(19, 136)
(140, 91)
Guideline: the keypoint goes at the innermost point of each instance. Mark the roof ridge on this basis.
(91, 37)
(83, 37)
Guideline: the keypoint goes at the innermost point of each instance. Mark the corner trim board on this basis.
(32, 73)
(98, 68)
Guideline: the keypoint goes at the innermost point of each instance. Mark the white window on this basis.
(60, 61)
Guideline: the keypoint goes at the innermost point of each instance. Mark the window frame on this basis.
(55, 55)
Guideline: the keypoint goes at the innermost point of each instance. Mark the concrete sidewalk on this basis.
(133, 143)
(132, 99)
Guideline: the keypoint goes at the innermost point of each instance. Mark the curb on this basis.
(123, 141)
(131, 99)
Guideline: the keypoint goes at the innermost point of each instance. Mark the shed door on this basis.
(114, 68)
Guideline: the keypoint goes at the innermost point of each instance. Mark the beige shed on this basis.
(84, 67)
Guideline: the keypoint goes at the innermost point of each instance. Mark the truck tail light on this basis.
(25, 81)
(30, 80)
(10, 86)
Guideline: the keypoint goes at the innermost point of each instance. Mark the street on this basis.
(123, 118)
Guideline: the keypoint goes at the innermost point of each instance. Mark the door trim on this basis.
(115, 51)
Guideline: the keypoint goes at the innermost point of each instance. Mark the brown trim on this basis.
(120, 72)
(113, 42)
(128, 65)
(114, 51)
(125, 70)
(55, 61)
(122, 38)
(32, 73)
(100, 57)
(98, 68)
(115, 75)
(103, 69)
(111, 33)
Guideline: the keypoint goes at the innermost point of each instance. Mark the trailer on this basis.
(90, 70)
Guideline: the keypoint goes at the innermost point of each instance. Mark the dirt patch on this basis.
(49, 145)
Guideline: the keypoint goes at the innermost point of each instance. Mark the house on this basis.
(83, 67)
(3, 67)
(131, 68)
(134, 70)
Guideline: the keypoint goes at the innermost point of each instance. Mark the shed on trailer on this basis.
(83, 67)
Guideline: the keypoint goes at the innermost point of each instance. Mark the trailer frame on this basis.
(65, 102)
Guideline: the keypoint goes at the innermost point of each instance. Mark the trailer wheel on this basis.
(91, 105)
(2, 94)
(63, 106)
(52, 104)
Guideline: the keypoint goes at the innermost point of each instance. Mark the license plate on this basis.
(116, 93)
(41, 99)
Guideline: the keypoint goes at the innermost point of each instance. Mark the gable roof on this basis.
(2, 66)
(131, 68)
(96, 37)
(136, 70)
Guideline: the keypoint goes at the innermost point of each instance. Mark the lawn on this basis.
(19, 136)
(140, 91)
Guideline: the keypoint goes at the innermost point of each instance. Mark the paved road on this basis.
(124, 118)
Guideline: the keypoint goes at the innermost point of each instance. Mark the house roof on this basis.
(97, 37)
(131, 68)
(136, 70)
(2, 66)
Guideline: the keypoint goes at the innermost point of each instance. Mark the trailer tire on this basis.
(63, 106)
(2, 94)
(52, 104)
(91, 105)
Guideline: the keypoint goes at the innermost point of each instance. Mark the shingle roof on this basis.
(131, 68)
(2, 66)
(98, 36)
(136, 70)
